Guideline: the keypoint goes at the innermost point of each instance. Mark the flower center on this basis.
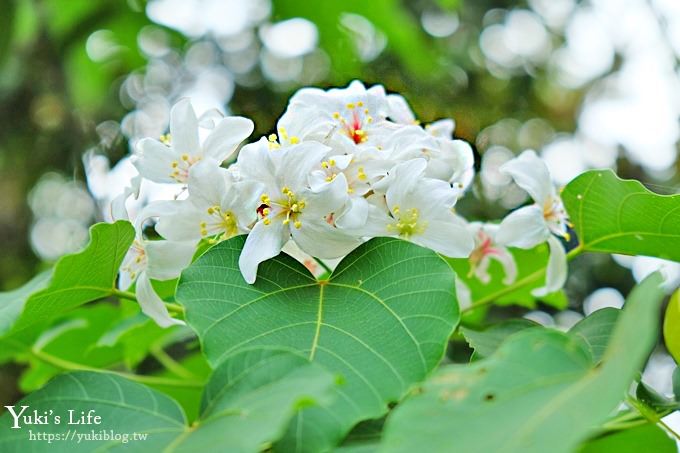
(180, 168)
(556, 217)
(328, 165)
(136, 260)
(483, 248)
(224, 222)
(407, 223)
(288, 208)
(354, 121)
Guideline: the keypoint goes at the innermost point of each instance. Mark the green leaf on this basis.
(264, 388)
(83, 277)
(381, 321)
(73, 338)
(248, 403)
(671, 326)
(595, 330)
(364, 438)
(529, 263)
(539, 392)
(12, 302)
(622, 216)
(655, 401)
(124, 407)
(486, 342)
(137, 335)
(634, 440)
(187, 397)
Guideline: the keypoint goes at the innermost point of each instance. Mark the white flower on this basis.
(420, 210)
(169, 160)
(400, 112)
(289, 207)
(158, 260)
(343, 118)
(448, 159)
(531, 225)
(487, 250)
(218, 207)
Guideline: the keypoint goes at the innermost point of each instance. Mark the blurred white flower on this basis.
(531, 225)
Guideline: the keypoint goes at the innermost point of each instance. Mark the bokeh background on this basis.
(588, 84)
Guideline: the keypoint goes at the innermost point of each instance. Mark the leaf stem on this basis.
(324, 265)
(144, 379)
(172, 307)
(171, 364)
(486, 300)
(124, 294)
(651, 416)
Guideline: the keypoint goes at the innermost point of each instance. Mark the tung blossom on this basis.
(170, 159)
(343, 118)
(289, 207)
(345, 165)
(486, 250)
(420, 210)
(158, 260)
(448, 159)
(540, 222)
(218, 206)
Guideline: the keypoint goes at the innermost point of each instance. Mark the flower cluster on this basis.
(345, 165)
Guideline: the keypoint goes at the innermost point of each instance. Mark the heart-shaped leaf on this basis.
(247, 404)
(80, 278)
(381, 320)
(538, 392)
(621, 216)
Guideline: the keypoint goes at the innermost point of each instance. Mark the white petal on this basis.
(441, 128)
(227, 135)
(354, 215)
(531, 174)
(524, 228)
(181, 222)
(155, 209)
(342, 161)
(154, 161)
(124, 280)
(448, 238)
(481, 270)
(152, 305)
(556, 273)
(463, 294)
(331, 199)
(400, 111)
(317, 180)
(263, 242)
(118, 204)
(184, 128)
(208, 182)
(402, 179)
(503, 256)
(255, 161)
(210, 118)
(243, 199)
(322, 240)
(299, 161)
(167, 259)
